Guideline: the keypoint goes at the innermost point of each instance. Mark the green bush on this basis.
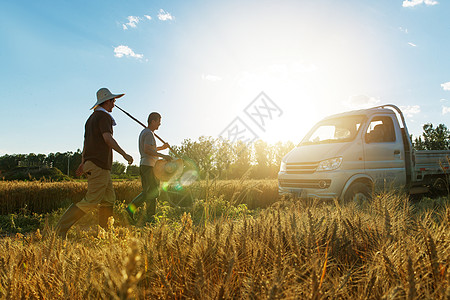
(35, 173)
(21, 223)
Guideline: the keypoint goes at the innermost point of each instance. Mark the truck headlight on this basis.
(283, 167)
(329, 164)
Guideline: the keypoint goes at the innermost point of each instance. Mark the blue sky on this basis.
(201, 63)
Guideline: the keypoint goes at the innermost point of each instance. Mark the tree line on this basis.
(208, 156)
(433, 138)
(66, 162)
(212, 157)
(220, 159)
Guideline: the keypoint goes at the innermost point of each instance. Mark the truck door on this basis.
(384, 153)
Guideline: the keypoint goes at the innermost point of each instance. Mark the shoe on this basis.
(104, 212)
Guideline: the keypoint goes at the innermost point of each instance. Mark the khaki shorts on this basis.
(100, 189)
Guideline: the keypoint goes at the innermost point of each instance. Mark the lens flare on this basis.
(190, 174)
(189, 177)
(132, 208)
(178, 187)
(165, 186)
(189, 164)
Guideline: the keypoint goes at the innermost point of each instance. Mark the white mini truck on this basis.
(348, 155)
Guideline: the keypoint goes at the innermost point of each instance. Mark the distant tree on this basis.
(33, 160)
(281, 149)
(241, 160)
(206, 149)
(433, 138)
(50, 159)
(132, 170)
(67, 162)
(117, 168)
(225, 160)
(8, 162)
(201, 153)
(262, 154)
(59, 160)
(75, 161)
(223, 157)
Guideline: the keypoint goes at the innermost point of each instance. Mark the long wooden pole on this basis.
(162, 141)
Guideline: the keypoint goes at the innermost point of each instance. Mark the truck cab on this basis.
(348, 155)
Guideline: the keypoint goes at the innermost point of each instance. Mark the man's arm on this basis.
(151, 150)
(165, 146)
(110, 141)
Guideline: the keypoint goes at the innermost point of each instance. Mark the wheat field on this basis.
(43, 197)
(294, 249)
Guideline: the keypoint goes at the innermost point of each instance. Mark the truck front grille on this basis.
(305, 183)
(301, 168)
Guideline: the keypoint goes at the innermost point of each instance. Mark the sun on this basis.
(283, 110)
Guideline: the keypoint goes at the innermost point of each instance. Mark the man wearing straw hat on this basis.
(149, 156)
(96, 162)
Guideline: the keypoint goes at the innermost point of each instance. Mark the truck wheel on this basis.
(359, 193)
(440, 187)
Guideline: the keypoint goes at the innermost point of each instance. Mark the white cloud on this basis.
(148, 17)
(405, 30)
(210, 77)
(445, 109)
(446, 86)
(412, 45)
(361, 101)
(122, 50)
(412, 3)
(164, 16)
(410, 110)
(132, 22)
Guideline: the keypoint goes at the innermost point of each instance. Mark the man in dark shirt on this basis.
(96, 163)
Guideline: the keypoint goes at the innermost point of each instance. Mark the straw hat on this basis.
(168, 170)
(103, 95)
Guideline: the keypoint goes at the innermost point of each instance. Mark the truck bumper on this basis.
(322, 185)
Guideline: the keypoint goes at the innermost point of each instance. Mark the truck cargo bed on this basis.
(432, 161)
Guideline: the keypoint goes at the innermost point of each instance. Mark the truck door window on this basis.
(380, 130)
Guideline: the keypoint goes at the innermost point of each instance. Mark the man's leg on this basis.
(97, 185)
(105, 210)
(100, 191)
(70, 217)
(140, 199)
(152, 194)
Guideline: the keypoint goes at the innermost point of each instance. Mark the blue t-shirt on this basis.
(147, 137)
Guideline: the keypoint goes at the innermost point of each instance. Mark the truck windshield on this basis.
(336, 130)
